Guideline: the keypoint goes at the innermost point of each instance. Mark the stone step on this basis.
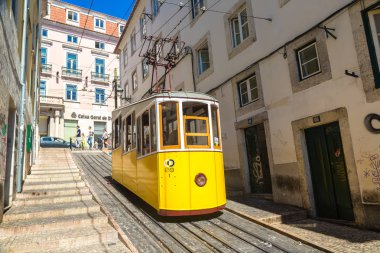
(52, 179)
(48, 210)
(56, 175)
(43, 172)
(51, 200)
(31, 226)
(118, 247)
(52, 185)
(54, 239)
(52, 192)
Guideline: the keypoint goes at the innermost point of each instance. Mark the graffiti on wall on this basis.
(372, 169)
(369, 123)
(3, 143)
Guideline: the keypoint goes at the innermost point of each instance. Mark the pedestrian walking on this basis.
(105, 138)
(78, 137)
(90, 138)
(83, 141)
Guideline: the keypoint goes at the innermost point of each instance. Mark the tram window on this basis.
(153, 132)
(134, 130)
(196, 122)
(128, 133)
(115, 133)
(215, 126)
(195, 109)
(169, 121)
(145, 133)
(138, 128)
(125, 135)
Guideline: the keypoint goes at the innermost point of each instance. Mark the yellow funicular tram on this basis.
(168, 151)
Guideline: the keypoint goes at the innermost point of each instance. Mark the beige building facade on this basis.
(78, 69)
(299, 91)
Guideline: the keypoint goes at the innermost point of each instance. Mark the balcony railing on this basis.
(99, 77)
(46, 68)
(51, 100)
(75, 73)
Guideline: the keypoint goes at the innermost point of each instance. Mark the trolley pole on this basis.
(115, 85)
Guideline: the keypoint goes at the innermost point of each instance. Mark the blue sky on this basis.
(117, 8)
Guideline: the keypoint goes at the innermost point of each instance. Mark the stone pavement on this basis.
(293, 222)
(56, 212)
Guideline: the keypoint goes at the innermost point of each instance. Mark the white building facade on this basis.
(78, 69)
(299, 91)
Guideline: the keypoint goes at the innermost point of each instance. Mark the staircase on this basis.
(56, 212)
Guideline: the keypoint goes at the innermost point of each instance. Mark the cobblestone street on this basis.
(148, 232)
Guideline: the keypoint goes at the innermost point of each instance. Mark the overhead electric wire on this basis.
(84, 27)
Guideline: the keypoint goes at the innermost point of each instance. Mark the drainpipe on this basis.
(37, 91)
(20, 152)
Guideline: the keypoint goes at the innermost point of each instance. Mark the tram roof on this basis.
(174, 94)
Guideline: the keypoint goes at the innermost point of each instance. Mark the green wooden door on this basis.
(328, 171)
(70, 129)
(258, 163)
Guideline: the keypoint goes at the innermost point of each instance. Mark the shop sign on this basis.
(88, 116)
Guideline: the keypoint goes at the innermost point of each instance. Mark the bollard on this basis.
(71, 144)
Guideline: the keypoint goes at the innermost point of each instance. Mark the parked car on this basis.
(53, 142)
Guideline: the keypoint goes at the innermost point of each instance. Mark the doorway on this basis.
(328, 172)
(10, 156)
(70, 127)
(258, 163)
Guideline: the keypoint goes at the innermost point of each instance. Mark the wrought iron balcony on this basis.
(73, 73)
(99, 77)
(46, 68)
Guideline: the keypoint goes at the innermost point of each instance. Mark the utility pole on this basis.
(115, 85)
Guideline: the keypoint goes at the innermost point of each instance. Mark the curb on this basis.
(279, 230)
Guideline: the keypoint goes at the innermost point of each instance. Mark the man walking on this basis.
(78, 137)
(90, 137)
(105, 138)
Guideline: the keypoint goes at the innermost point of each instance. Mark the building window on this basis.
(43, 55)
(126, 90)
(374, 41)
(71, 92)
(203, 59)
(239, 28)
(248, 90)
(99, 45)
(72, 39)
(142, 25)
(196, 7)
(308, 61)
(42, 88)
(155, 7)
(72, 16)
(145, 68)
(125, 56)
(133, 42)
(100, 97)
(72, 61)
(99, 23)
(99, 66)
(134, 81)
(121, 29)
(44, 33)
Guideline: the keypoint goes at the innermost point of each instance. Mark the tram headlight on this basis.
(200, 179)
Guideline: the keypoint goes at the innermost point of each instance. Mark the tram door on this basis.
(258, 163)
(328, 171)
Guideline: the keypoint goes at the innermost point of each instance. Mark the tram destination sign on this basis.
(89, 116)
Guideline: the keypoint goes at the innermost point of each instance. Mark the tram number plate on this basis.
(169, 169)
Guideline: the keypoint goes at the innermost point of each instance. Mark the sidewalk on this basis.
(293, 222)
(56, 212)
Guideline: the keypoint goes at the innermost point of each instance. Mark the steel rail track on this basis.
(213, 240)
